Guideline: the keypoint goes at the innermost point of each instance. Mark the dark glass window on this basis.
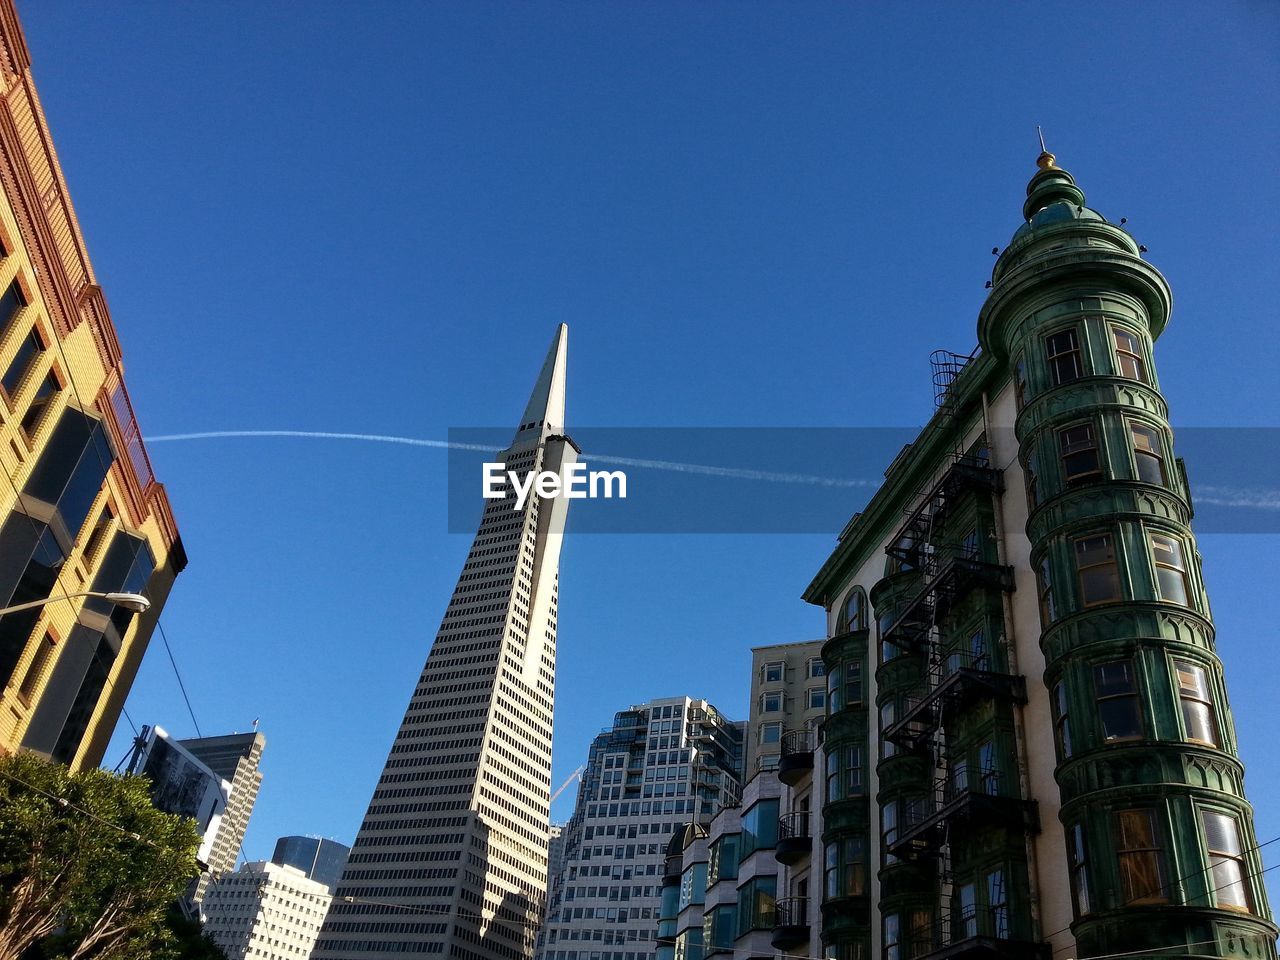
(1140, 857)
(723, 859)
(1061, 720)
(854, 614)
(845, 868)
(757, 905)
(759, 828)
(1079, 448)
(1033, 480)
(36, 582)
(1020, 381)
(71, 467)
(1062, 350)
(30, 348)
(1119, 709)
(1044, 583)
(892, 937)
(1079, 868)
(86, 702)
(44, 394)
(887, 716)
(1129, 359)
(998, 905)
(10, 303)
(1227, 864)
(1097, 569)
(35, 670)
(1171, 568)
(1148, 453)
(966, 922)
(1199, 720)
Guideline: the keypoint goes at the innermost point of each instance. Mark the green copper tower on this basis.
(1022, 661)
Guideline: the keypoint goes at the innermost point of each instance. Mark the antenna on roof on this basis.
(1040, 134)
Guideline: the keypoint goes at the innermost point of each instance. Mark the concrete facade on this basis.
(235, 758)
(265, 911)
(663, 764)
(788, 696)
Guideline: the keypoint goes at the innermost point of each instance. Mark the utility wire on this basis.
(1165, 887)
(181, 686)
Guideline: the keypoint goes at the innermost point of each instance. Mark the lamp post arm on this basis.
(47, 600)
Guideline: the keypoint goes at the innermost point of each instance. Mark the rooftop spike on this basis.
(1046, 160)
(546, 403)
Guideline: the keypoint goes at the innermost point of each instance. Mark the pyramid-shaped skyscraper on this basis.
(450, 860)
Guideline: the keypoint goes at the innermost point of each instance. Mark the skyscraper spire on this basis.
(546, 403)
(450, 860)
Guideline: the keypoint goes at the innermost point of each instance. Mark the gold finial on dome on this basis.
(1046, 159)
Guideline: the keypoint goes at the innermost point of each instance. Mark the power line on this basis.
(1165, 887)
(181, 686)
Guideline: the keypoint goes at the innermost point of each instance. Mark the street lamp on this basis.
(130, 601)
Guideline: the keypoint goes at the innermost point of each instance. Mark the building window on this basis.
(722, 859)
(853, 616)
(1148, 458)
(887, 747)
(770, 702)
(1171, 569)
(889, 829)
(1226, 861)
(770, 732)
(30, 348)
(997, 905)
(892, 936)
(1097, 569)
(1062, 350)
(10, 303)
(844, 772)
(1139, 857)
(772, 672)
(757, 905)
(1032, 477)
(1079, 868)
(1020, 381)
(1061, 720)
(965, 924)
(45, 393)
(759, 828)
(1044, 584)
(1129, 359)
(1199, 722)
(817, 698)
(1078, 445)
(1119, 711)
(35, 672)
(845, 868)
(817, 668)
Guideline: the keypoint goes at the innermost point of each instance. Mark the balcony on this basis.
(976, 934)
(791, 926)
(795, 842)
(985, 803)
(796, 759)
(956, 680)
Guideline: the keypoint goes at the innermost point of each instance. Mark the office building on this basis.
(235, 758)
(1029, 750)
(319, 859)
(788, 697)
(80, 509)
(451, 858)
(181, 783)
(662, 764)
(741, 886)
(265, 911)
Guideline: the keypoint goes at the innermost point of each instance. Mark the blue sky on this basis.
(370, 218)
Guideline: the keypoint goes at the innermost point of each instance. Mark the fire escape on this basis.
(957, 680)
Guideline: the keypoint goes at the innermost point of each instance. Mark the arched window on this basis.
(853, 615)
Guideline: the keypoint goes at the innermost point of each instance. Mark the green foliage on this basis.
(86, 856)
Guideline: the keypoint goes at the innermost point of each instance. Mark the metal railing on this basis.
(799, 741)
(792, 912)
(794, 826)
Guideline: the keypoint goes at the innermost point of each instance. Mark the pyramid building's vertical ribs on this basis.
(450, 860)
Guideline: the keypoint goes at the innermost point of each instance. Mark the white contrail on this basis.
(1229, 497)
(737, 473)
